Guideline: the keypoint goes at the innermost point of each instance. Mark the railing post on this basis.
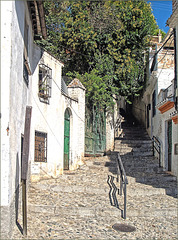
(121, 184)
(123, 181)
(159, 156)
(125, 198)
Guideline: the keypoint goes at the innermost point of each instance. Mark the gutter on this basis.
(42, 18)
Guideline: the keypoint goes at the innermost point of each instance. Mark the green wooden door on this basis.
(66, 139)
(169, 134)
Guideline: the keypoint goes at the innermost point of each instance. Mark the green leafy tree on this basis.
(102, 43)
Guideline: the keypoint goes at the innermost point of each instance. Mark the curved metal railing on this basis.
(123, 181)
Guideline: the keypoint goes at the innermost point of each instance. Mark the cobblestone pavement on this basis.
(84, 204)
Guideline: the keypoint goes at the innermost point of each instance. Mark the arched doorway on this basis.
(66, 139)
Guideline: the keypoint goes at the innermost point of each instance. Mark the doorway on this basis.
(66, 139)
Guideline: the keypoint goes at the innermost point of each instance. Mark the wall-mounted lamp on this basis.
(7, 130)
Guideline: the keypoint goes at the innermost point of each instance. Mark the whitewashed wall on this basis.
(78, 125)
(49, 118)
(15, 96)
(14, 99)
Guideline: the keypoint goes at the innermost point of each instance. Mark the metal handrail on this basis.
(123, 181)
(157, 146)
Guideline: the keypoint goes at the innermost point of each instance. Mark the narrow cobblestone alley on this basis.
(85, 204)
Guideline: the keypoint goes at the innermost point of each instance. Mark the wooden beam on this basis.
(26, 144)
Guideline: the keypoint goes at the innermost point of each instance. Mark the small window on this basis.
(153, 103)
(40, 147)
(45, 77)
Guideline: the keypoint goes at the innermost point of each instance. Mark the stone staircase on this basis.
(148, 186)
(85, 203)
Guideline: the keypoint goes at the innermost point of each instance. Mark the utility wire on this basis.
(70, 97)
(46, 121)
(164, 54)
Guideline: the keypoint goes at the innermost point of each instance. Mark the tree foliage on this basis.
(102, 43)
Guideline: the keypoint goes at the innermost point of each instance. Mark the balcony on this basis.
(166, 100)
(174, 116)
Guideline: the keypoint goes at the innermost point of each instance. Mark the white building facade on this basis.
(156, 109)
(32, 77)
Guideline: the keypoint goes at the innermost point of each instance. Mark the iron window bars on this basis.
(45, 80)
(40, 146)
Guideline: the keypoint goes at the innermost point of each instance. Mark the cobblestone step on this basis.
(85, 203)
(81, 205)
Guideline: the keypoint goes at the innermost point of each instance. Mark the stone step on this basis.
(152, 178)
(135, 154)
(141, 185)
(133, 137)
(133, 134)
(135, 148)
(121, 151)
(91, 211)
(132, 142)
(148, 212)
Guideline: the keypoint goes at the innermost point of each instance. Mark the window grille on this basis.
(45, 79)
(40, 147)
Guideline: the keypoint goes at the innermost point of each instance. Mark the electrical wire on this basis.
(46, 122)
(69, 102)
(164, 54)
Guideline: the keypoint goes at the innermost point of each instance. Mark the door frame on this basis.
(67, 135)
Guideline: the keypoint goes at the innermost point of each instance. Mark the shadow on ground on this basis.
(143, 173)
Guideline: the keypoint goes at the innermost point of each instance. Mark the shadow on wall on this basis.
(17, 178)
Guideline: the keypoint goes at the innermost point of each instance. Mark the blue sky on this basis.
(162, 10)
